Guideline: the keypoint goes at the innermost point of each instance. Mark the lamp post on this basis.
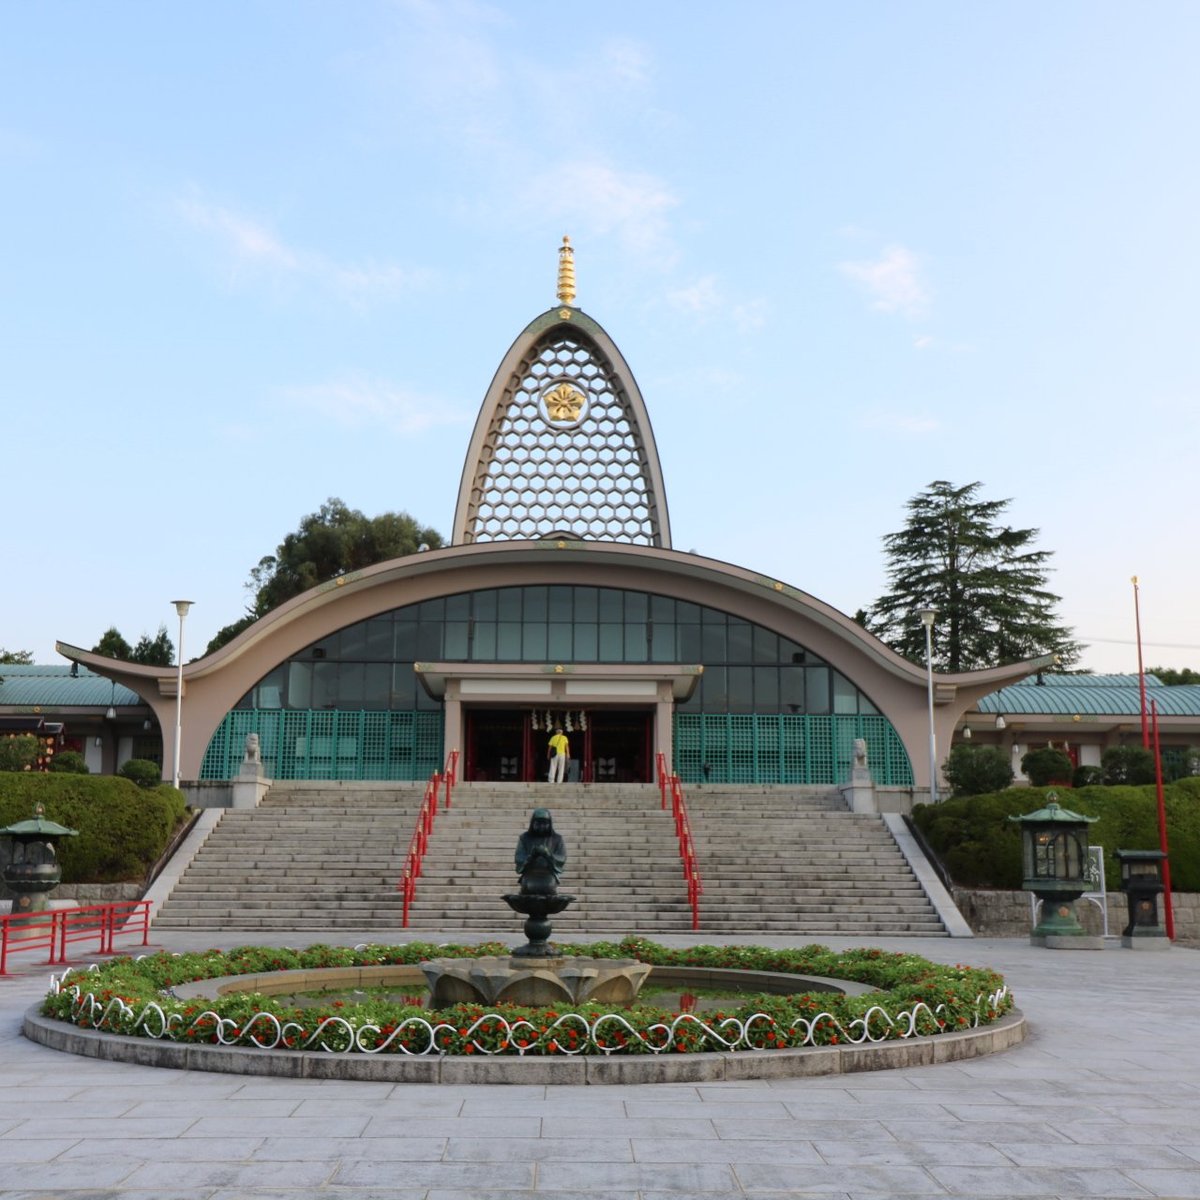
(181, 607)
(927, 615)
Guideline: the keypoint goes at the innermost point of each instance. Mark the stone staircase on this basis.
(796, 861)
(313, 855)
(328, 855)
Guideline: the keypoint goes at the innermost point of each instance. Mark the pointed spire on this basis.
(566, 272)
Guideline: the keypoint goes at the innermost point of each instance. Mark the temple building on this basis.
(559, 600)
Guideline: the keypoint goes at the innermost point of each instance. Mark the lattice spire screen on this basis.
(564, 453)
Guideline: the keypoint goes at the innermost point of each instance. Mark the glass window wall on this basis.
(369, 665)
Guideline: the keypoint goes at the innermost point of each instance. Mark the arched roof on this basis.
(215, 683)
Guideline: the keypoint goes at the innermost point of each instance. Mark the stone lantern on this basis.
(32, 871)
(1142, 883)
(1055, 852)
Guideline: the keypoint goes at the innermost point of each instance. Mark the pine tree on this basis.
(113, 644)
(983, 578)
(157, 651)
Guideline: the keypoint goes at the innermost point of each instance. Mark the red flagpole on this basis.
(1162, 827)
(1137, 619)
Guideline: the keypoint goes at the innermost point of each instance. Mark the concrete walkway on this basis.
(1103, 1099)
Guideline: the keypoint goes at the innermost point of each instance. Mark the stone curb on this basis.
(585, 1069)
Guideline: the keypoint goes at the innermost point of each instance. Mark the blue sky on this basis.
(256, 254)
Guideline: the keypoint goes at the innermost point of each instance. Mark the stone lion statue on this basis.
(253, 749)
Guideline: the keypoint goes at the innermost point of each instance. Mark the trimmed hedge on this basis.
(122, 828)
(980, 847)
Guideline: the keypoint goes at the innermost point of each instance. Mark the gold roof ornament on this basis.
(566, 272)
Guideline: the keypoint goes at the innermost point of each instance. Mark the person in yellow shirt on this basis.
(559, 750)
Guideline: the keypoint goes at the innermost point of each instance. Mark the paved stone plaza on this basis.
(1103, 1099)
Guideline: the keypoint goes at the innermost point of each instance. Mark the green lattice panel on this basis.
(785, 748)
(742, 750)
(890, 765)
(689, 739)
(329, 744)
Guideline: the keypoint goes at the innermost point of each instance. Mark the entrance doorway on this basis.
(503, 747)
(618, 746)
(497, 745)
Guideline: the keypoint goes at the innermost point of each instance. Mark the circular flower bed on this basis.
(914, 997)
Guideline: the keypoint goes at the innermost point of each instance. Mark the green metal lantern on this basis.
(32, 870)
(1055, 851)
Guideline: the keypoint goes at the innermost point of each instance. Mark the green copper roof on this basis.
(38, 826)
(1091, 695)
(1054, 812)
(32, 686)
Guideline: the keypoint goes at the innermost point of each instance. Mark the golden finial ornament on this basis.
(566, 272)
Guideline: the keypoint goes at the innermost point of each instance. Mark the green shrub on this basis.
(973, 839)
(142, 772)
(69, 761)
(122, 828)
(1087, 777)
(980, 847)
(1047, 765)
(18, 752)
(1127, 764)
(974, 770)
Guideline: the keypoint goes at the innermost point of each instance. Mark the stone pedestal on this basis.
(1062, 941)
(251, 784)
(859, 793)
(1145, 943)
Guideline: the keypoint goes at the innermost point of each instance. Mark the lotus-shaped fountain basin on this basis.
(516, 980)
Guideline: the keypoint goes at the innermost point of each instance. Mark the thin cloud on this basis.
(246, 240)
(924, 342)
(253, 248)
(892, 281)
(750, 316)
(629, 61)
(903, 423)
(705, 299)
(508, 115)
(359, 402)
(600, 199)
(700, 297)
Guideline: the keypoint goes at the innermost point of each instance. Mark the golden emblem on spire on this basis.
(566, 272)
(564, 404)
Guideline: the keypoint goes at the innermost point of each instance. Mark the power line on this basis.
(1130, 642)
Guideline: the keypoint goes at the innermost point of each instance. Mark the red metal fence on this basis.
(56, 929)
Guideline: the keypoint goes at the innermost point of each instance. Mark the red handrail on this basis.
(683, 831)
(450, 775)
(54, 928)
(419, 842)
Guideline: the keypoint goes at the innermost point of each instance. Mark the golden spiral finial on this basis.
(566, 272)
